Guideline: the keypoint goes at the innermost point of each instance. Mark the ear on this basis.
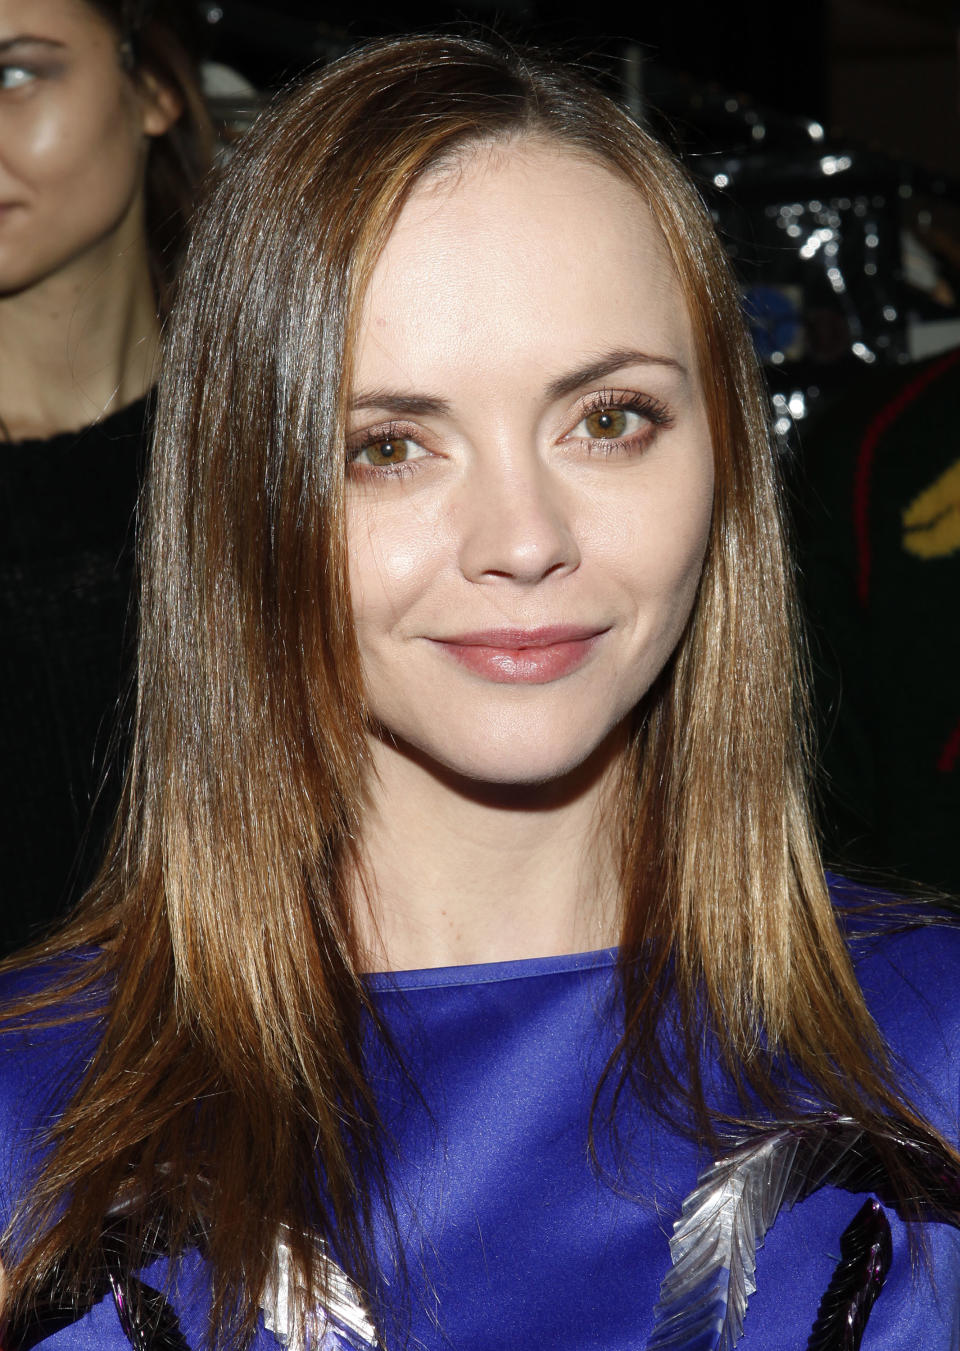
(160, 103)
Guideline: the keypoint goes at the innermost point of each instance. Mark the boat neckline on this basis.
(489, 973)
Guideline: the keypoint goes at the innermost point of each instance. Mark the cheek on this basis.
(86, 147)
(686, 544)
(393, 555)
(656, 548)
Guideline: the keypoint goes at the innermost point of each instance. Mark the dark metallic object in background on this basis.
(814, 225)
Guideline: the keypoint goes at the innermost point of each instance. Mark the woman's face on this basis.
(72, 138)
(530, 474)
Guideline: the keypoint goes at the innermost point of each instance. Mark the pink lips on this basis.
(522, 656)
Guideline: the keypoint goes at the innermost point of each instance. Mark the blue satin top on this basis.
(513, 1236)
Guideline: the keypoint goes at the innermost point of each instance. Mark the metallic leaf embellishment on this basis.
(703, 1297)
(866, 1251)
(147, 1320)
(343, 1323)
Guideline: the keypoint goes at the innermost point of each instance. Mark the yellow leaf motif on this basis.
(931, 523)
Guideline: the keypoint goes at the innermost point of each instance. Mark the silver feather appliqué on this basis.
(345, 1323)
(703, 1298)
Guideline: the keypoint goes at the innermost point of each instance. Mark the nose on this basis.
(516, 522)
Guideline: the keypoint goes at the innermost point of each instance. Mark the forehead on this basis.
(523, 256)
(65, 20)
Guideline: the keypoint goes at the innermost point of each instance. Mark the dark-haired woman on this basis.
(103, 137)
(465, 908)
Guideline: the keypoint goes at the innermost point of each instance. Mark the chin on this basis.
(514, 760)
(517, 772)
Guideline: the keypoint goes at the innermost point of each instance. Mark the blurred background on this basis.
(824, 136)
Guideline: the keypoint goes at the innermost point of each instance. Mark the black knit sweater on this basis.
(67, 525)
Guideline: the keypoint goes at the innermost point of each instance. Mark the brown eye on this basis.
(381, 453)
(606, 423)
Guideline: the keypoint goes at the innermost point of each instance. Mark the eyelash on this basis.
(393, 431)
(656, 413)
(644, 405)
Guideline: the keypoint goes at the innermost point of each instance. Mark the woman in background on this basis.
(466, 903)
(103, 138)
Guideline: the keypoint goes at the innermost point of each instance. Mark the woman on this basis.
(103, 137)
(467, 653)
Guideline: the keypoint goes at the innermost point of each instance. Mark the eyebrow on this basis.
(428, 405)
(404, 405)
(28, 40)
(606, 364)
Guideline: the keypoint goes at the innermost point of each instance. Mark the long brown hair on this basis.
(227, 1095)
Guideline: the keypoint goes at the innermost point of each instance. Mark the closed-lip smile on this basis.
(523, 656)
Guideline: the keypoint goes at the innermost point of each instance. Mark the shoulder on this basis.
(907, 960)
(43, 1055)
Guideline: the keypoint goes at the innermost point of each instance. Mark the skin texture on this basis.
(77, 313)
(512, 506)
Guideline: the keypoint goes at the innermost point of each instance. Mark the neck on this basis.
(81, 343)
(457, 873)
